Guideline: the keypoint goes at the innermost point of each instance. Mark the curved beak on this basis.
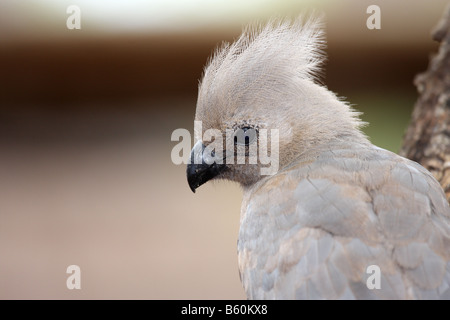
(199, 171)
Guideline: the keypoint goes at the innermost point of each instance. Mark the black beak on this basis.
(198, 171)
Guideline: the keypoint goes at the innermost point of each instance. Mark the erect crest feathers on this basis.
(299, 43)
(264, 58)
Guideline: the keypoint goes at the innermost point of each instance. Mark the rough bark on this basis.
(427, 139)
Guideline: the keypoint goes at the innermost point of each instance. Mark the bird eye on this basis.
(244, 136)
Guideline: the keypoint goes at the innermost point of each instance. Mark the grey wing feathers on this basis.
(340, 214)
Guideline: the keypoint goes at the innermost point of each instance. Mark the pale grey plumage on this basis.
(338, 204)
(312, 230)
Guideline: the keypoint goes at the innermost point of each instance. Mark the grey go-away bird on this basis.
(340, 218)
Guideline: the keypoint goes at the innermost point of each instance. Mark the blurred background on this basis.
(86, 118)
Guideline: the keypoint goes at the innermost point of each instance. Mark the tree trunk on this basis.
(427, 139)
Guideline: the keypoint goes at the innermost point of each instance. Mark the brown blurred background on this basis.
(86, 118)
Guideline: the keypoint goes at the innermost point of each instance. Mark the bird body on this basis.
(338, 205)
(312, 230)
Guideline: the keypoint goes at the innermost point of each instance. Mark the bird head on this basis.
(262, 93)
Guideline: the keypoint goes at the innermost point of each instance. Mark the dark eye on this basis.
(244, 136)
